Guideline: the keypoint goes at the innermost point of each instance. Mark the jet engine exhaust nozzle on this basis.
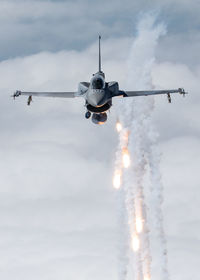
(99, 118)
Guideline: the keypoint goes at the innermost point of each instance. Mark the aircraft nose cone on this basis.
(97, 102)
(96, 99)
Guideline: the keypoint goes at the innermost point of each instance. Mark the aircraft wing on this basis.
(45, 94)
(152, 92)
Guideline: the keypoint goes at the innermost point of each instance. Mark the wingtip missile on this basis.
(182, 91)
(16, 94)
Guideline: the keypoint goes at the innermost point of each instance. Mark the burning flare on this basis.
(139, 224)
(118, 126)
(147, 277)
(126, 158)
(117, 179)
(135, 243)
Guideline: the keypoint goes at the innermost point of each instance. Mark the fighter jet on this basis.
(98, 94)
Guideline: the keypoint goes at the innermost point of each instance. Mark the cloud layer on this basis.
(58, 211)
(32, 26)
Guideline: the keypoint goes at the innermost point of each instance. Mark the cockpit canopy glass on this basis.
(98, 83)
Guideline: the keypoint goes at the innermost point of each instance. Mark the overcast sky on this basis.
(28, 27)
(58, 210)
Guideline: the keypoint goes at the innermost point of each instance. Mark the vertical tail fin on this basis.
(99, 53)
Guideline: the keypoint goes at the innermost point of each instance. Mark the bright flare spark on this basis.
(147, 277)
(118, 126)
(135, 243)
(126, 136)
(139, 224)
(117, 179)
(126, 158)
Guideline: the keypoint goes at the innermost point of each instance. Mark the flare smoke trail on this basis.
(135, 117)
(156, 202)
(122, 214)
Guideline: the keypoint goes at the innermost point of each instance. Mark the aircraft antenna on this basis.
(99, 53)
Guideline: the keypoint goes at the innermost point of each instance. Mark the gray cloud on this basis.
(33, 26)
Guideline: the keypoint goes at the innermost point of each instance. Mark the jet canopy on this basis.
(97, 82)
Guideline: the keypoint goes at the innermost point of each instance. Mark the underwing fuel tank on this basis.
(100, 118)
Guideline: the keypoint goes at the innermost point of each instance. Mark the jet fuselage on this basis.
(98, 96)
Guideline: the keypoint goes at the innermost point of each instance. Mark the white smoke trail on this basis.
(135, 116)
(123, 258)
(137, 174)
(156, 202)
(124, 236)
